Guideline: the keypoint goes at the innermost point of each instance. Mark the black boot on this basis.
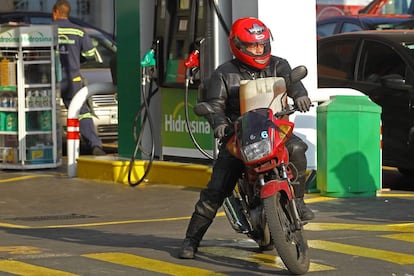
(188, 249)
(305, 213)
(196, 229)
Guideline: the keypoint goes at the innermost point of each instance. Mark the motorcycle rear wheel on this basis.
(290, 244)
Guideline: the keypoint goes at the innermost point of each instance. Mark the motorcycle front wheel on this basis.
(290, 243)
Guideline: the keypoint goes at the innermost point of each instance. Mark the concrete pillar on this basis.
(128, 71)
(293, 25)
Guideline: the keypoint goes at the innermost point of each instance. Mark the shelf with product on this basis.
(8, 107)
(30, 134)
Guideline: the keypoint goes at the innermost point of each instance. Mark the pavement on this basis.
(51, 221)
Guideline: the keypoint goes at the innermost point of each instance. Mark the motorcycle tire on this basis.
(264, 239)
(290, 244)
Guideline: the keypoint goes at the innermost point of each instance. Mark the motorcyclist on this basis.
(250, 44)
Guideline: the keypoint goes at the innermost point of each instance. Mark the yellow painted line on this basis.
(400, 237)
(20, 178)
(402, 227)
(383, 255)
(259, 258)
(313, 267)
(275, 261)
(389, 168)
(95, 224)
(20, 268)
(382, 194)
(318, 199)
(7, 225)
(13, 226)
(244, 255)
(114, 222)
(20, 249)
(150, 264)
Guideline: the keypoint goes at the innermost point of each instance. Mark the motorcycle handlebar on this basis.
(203, 109)
(291, 110)
(229, 131)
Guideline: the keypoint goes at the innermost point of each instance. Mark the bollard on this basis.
(73, 143)
(73, 135)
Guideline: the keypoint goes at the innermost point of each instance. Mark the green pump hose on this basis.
(147, 62)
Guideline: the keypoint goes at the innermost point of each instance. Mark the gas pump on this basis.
(184, 27)
(180, 29)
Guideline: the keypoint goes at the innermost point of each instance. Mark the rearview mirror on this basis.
(395, 82)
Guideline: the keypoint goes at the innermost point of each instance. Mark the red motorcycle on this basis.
(262, 205)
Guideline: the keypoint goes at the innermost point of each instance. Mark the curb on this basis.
(115, 169)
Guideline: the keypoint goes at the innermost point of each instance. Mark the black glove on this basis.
(220, 131)
(303, 103)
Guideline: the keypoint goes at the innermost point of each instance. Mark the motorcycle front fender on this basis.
(274, 186)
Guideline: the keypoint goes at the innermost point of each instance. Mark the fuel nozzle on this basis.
(148, 62)
(148, 59)
(192, 60)
(192, 63)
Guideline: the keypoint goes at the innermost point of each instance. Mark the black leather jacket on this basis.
(221, 91)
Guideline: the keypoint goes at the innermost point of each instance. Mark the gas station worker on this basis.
(74, 42)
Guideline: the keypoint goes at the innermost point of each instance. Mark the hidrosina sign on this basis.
(28, 36)
(176, 140)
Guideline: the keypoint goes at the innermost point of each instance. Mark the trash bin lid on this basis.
(349, 103)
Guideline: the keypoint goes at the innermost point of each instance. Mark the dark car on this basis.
(380, 64)
(352, 23)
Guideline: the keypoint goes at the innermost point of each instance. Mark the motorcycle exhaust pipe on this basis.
(234, 216)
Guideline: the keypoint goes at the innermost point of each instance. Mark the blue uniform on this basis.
(74, 42)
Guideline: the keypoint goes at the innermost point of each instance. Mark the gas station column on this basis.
(293, 26)
(128, 71)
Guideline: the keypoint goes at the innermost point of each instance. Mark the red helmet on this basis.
(250, 30)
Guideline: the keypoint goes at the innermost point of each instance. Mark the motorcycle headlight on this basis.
(257, 150)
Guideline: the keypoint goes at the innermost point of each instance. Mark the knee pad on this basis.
(297, 149)
(206, 208)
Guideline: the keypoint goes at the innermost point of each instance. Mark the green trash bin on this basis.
(348, 147)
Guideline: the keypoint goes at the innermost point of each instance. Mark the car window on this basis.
(103, 56)
(326, 29)
(350, 27)
(380, 61)
(7, 19)
(396, 7)
(336, 59)
(26, 19)
(409, 24)
(40, 20)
